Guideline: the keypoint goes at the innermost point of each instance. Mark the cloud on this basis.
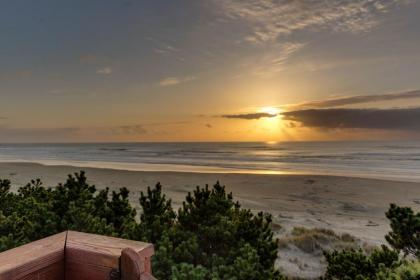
(165, 49)
(171, 81)
(270, 19)
(128, 130)
(351, 100)
(303, 112)
(66, 134)
(87, 133)
(250, 116)
(104, 71)
(344, 118)
(12, 134)
(162, 47)
(271, 63)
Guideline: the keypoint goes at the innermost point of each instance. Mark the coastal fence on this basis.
(74, 255)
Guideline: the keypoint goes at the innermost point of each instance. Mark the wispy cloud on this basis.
(249, 116)
(342, 118)
(351, 100)
(172, 81)
(273, 62)
(269, 19)
(104, 71)
(165, 49)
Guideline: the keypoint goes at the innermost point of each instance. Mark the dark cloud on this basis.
(250, 116)
(343, 101)
(390, 119)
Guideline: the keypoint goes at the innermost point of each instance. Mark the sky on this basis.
(210, 70)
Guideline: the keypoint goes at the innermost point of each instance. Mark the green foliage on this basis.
(383, 263)
(186, 271)
(6, 198)
(405, 234)
(407, 271)
(157, 216)
(210, 237)
(35, 211)
(348, 264)
(355, 264)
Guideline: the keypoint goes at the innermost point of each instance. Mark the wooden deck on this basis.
(74, 255)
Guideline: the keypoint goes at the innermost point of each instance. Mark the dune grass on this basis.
(315, 240)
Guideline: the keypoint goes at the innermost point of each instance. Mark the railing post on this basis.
(93, 257)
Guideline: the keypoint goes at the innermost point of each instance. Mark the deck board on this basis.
(72, 255)
(42, 259)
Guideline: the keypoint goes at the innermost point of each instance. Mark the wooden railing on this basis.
(78, 256)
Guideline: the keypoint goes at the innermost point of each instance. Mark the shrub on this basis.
(405, 234)
(210, 237)
(383, 263)
(407, 271)
(355, 264)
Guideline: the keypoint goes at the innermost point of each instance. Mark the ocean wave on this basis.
(378, 159)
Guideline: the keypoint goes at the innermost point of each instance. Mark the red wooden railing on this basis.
(74, 255)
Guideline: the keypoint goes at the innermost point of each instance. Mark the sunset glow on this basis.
(270, 110)
(209, 71)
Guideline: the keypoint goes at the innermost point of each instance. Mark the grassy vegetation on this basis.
(316, 240)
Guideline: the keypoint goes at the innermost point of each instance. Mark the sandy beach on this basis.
(343, 204)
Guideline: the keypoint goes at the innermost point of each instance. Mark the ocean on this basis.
(386, 160)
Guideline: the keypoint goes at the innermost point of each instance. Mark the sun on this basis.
(271, 126)
(270, 110)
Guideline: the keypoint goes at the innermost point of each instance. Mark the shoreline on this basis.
(191, 169)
